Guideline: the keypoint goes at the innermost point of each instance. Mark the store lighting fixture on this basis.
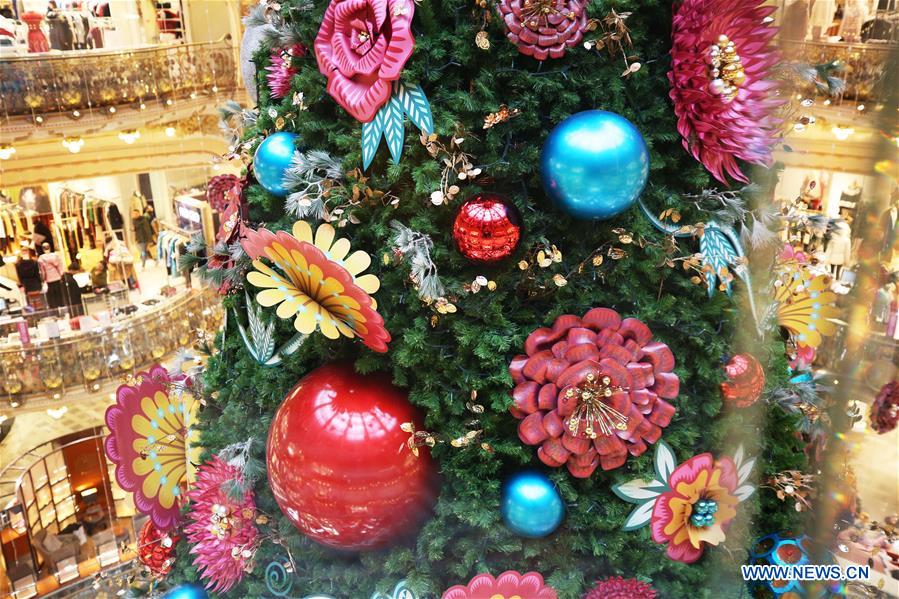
(129, 136)
(193, 95)
(57, 413)
(3, 418)
(215, 89)
(76, 113)
(896, 141)
(38, 119)
(842, 133)
(827, 102)
(73, 144)
(6, 151)
(170, 131)
(112, 110)
(860, 107)
(169, 102)
(89, 492)
(143, 106)
(14, 403)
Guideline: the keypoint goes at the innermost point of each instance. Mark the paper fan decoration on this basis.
(724, 96)
(508, 584)
(150, 442)
(320, 284)
(804, 305)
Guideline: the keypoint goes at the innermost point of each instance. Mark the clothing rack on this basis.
(170, 244)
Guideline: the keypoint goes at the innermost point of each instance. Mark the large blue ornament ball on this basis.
(594, 164)
(531, 506)
(272, 158)
(187, 591)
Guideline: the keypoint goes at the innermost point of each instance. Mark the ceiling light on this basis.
(842, 133)
(143, 106)
(73, 144)
(6, 151)
(57, 413)
(827, 102)
(112, 110)
(129, 136)
(860, 107)
(170, 131)
(3, 418)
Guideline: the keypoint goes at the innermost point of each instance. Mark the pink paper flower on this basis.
(697, 509)
(361, 48)
(718, 128)
(281, 71)
(620, 588)
(544, 28)
(508, 584)
(222, 530)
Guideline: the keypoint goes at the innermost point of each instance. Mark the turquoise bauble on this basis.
(594, 165)
(187, 591)
(272, 159)
(531, 506)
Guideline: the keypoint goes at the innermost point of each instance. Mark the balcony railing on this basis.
(864, 66)
(77, 82)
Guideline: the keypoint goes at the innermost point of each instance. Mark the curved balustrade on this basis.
(864, 65)
(76, 82)
(49, 368)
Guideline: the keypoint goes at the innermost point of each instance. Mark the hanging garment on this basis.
(794, 24)
(839, 249)
(37, 41)
(855, 13)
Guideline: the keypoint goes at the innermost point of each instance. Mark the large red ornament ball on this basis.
(746, 380)
(338, 464)
(487, 228)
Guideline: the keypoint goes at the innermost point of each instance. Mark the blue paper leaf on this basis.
(640, 517)
(719, 253)
(414, 102)
(394, 129)
(371, 138)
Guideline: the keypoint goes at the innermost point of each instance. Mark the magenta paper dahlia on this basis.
(544, 28)
(222, 530)
(725, 103)
(281, 70)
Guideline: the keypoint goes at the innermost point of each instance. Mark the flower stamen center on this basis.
(592, 394)
(536, 13)
(725, 69)
(703, 514)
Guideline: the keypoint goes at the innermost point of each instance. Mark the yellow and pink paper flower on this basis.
(150, 442)
(320, 284)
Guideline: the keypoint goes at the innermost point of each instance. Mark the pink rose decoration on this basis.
(507, 585)
(361, 48)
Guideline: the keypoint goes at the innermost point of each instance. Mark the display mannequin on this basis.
(888, 222)
(855, 13)
(37, 41)
(821, 18)
(52, 271)
(794, 24)
(839, 249)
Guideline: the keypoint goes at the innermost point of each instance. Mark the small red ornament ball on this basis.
(746, 380)
(487, 228)
(156, 550)
(338, 464)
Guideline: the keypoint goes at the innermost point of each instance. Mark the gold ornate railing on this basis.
(76, 82)
(864, 65)
(50, 368)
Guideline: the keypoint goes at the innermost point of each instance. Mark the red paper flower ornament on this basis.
(544, 28)
(156, 549)
(721, 58)
(885, 409)
(746, 381)
(507, 585)
(361, 48)
(591, 390)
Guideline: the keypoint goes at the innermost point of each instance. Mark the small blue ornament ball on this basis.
(187, 591)
(531, 506)
(272, 158)
(594, 165)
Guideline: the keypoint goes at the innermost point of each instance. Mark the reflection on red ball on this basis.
(746, 380)
(487, 228)
(338, 465)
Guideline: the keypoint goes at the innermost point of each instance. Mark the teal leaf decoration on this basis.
(394, 129)
(414, 102)
(719, 254)
(371, 138)
(640, 517)
(389, 122)
(400, 591)
(664, 462)
(259, 337)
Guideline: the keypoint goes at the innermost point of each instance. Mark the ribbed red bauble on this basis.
(337, 463)
(156, 549)
(746, 380)
(487, 228)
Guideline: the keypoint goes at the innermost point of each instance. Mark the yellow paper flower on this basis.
(320, 284)
(805, 304)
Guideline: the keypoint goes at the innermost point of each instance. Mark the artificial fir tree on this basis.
(493, 108)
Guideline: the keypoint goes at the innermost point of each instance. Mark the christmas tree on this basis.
(403, 112)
